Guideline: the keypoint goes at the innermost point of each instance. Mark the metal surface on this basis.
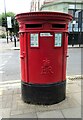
(45, 63)
(43, 53)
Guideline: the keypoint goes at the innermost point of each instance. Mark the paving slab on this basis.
(50, 114)
(42, 108)
(16, 112)
(72, 112)
(73, 88)
(12, 105)
(69, 102)
(28, 115)
(5, 113)
(77, 97)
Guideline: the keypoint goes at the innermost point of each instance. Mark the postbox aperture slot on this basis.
(33, 25)
(34, 40)
(58, 25)
(58, 40)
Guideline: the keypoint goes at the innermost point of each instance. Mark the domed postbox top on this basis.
(43, 16)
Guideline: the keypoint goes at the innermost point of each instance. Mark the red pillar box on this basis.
(43, 53)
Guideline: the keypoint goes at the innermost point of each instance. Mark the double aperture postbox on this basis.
(43, 53)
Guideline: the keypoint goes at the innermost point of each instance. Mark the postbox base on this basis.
(45, 94)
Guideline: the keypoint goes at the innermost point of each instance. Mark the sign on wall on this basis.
(34, 42)
(58, 40)
(72, 6)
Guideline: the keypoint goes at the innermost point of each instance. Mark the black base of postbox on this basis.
(45, 94)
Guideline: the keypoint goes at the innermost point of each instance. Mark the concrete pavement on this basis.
(12, 106)
(9, 46)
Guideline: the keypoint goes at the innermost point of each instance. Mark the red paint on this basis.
(46, 63)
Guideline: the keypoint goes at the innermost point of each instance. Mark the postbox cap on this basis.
(45, 15)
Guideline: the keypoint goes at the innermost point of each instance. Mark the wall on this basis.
(59, 7)
(2, 30)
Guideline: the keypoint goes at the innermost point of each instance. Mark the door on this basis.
(45, 57)
(22, 55)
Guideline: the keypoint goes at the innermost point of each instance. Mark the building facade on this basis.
(36, 5)
(73, 7)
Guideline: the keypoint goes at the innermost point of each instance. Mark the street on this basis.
(10, 62)
(74, 61)
(9, 67)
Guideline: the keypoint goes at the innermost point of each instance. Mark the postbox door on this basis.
(22, 56)
(45, 58)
